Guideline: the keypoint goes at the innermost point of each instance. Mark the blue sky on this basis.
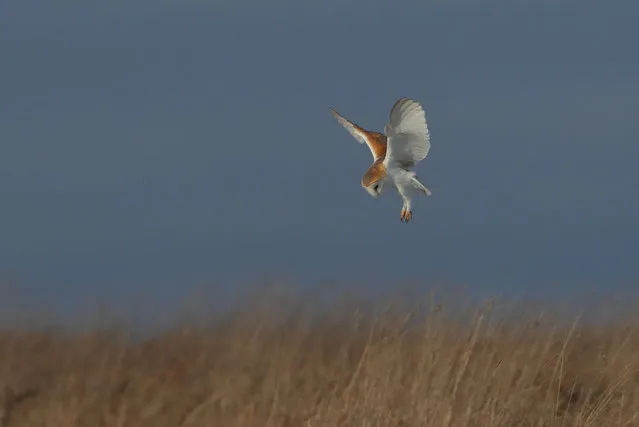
(148, 145)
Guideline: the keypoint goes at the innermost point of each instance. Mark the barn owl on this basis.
(405, 141)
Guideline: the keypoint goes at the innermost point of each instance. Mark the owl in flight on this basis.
(405, 142)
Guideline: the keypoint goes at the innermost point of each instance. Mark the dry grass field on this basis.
(275, 362)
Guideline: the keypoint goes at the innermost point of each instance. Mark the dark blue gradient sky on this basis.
(150, 145)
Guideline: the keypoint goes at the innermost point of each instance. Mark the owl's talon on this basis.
(408, 216)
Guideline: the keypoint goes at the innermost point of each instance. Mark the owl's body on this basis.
(405, 142)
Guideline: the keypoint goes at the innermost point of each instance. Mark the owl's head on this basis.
(373, 179)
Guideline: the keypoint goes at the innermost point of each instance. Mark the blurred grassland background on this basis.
(272, 356)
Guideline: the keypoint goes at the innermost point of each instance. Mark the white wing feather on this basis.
(407, 132)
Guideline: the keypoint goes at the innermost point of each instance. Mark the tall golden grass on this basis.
(276, 361)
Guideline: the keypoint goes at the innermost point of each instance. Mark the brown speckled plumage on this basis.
(377, 143)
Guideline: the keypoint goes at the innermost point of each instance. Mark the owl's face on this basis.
(376, 188)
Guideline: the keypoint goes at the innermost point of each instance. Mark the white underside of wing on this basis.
(408, 135)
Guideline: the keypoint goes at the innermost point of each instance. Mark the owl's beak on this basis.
(374, 189)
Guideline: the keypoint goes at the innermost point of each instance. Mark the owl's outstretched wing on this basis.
(408, 135)
(376, 141)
